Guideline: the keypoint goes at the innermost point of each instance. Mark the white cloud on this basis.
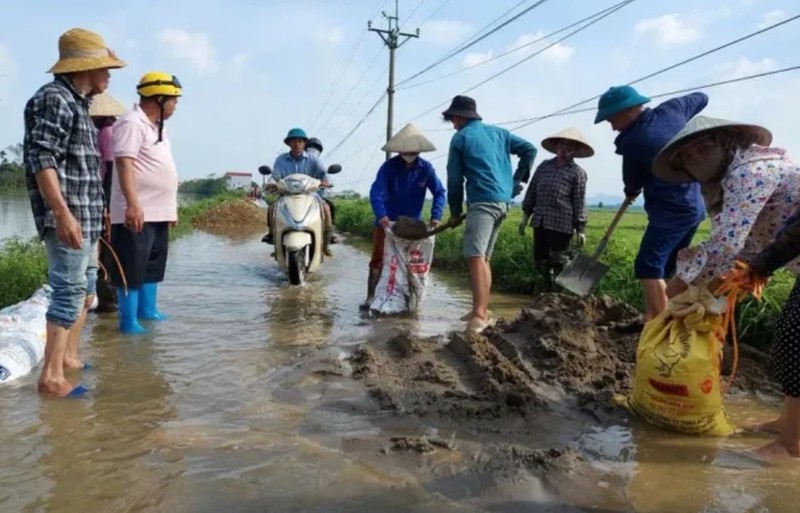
(240, 61)
(557, 54)
(8, 72)
(445, 33)
(332, 36)
(194, 47)
(772, 17)
(473, 59)
(669, 29)
(744, 67)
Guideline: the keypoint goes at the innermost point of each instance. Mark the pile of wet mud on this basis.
(562, 353)
(232, 216)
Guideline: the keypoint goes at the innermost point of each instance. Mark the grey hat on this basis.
(668, 168)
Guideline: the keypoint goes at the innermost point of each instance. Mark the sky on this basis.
(251, 70)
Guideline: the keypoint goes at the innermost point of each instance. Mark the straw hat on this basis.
(570, 134)
(408, 140)
(104, 104)
(670, 169)
(82, 50)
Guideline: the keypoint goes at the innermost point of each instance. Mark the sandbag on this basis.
(23, 336)
(677, 383)
(404, 277)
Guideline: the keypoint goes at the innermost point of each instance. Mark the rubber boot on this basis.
(372, 284)
(128, 305)
(326, 241)
(148, 295)
(106, 296)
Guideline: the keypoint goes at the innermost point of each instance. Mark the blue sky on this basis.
(253, 69)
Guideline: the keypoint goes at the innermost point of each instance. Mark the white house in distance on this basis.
(236, 180)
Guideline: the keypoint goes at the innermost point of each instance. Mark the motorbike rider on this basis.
(314, 147)
(298, 160)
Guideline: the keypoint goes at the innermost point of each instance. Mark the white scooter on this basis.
(298, 226)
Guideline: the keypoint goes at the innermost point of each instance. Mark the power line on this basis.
(469, 43)
(353, 51)
(361, 101)
(681, 63)
(349, 91)
(530, 121)
(360, 122)
(661, 95)
(509, 68)
(413, 11)
(356, 46)
(517, 48)
(434, 13)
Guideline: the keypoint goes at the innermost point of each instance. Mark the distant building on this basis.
(238, 180)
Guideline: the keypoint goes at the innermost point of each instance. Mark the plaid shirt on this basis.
(59, 134)
(557, 197)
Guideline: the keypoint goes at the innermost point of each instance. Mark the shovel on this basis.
(429, 233)
(584, 272)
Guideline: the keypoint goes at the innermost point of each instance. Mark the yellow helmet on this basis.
(158, 83)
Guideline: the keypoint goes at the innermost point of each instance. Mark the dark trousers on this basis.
(106, 293)
(143, 255)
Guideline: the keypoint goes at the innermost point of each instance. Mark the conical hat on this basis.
(104, 104)
(408, 140)
(571, 134)
(667, 168)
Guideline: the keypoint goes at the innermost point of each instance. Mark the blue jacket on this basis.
(306, 164)
(668, 205)
(400, 191)
(480, 154)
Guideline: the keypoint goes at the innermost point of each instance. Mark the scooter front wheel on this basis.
(297, 267)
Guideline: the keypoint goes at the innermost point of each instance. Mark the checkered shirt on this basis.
(59, 134)
(557, 197)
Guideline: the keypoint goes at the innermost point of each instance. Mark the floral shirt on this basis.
(760, 191)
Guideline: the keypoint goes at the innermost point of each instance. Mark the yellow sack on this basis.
(677, 383)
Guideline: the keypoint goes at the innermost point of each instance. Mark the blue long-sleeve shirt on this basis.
(481, 155)
(400, 191)
(306, 164)
(667, 204)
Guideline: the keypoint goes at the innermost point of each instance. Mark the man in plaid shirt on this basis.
(62, 166)
(556, 198)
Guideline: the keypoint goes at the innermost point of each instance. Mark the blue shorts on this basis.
(658, 251)
(72, 275)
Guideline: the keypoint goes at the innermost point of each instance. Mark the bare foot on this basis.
(55, 388)
(72, 364)
(773, 426)
(775, 450)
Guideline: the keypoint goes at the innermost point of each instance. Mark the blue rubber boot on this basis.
(128, 305)
(148, 295)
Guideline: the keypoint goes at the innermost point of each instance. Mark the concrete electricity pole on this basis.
(394, 39)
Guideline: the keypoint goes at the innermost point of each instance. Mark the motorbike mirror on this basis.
(334, 168)
(264, 170)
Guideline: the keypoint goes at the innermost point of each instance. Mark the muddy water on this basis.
(241, 403)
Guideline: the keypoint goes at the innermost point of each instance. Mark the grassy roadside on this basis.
(513, 268)
(23, 264)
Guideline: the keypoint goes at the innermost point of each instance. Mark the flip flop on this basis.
(78, 391)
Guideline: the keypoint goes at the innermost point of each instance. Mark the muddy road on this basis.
(257, 396)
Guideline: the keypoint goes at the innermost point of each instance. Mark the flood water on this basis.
(226, 407)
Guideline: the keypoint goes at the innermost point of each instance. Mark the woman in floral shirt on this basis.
(751, 190)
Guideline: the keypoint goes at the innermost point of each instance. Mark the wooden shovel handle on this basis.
(604, 241)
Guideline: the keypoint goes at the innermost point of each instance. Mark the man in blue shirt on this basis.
(399, 190)
(480, 156)
(674, 211)
(298, 160)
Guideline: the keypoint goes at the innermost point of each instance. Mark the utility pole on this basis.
(393, 39)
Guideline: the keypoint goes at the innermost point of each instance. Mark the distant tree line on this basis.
(204, 186)
(12, 173)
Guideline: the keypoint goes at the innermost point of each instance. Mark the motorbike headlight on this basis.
(294, 185)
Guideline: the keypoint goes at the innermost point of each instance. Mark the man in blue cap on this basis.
(298, 160)
(674, 211)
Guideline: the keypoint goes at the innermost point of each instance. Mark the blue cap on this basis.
(617, 99)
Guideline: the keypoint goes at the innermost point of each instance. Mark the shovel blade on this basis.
(582, 275)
